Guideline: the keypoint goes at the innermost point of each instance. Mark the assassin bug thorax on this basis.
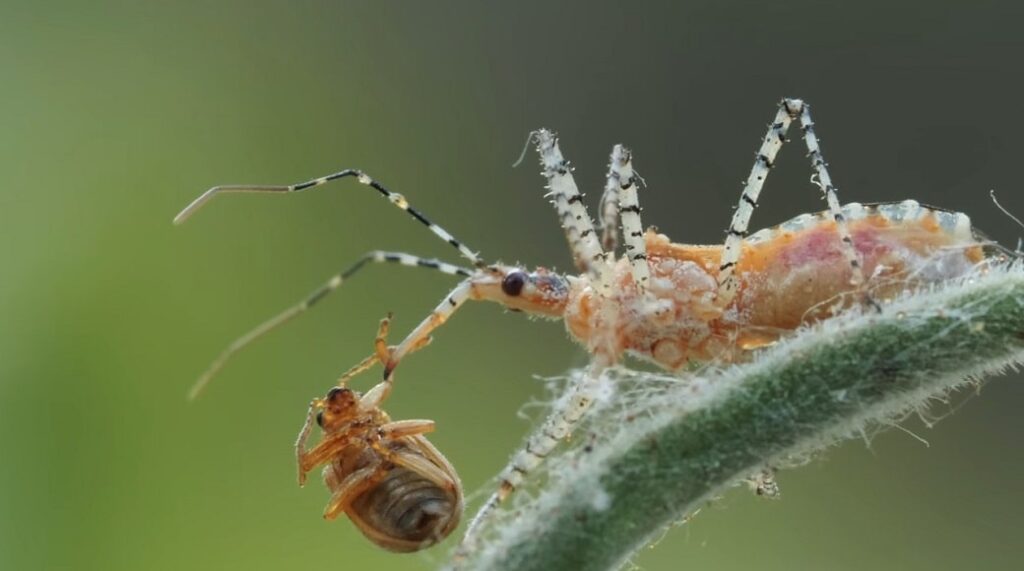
(672, 303)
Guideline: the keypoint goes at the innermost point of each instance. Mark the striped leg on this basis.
(824, 181)
(621, 171)
(566, 197)
(332, 284)
(421, 335)
(393, 197)
(609, 209)
(557, 427)
(789, 109)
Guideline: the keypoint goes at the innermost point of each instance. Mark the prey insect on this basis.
(670, 303)
(394, 485)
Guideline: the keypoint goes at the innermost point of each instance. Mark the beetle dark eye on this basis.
(320, 419)
(513, 283)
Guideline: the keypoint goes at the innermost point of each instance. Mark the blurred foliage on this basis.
(115, 114)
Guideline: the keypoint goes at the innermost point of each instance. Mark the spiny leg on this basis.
(727, 282)
(609, 209)
(566, 197)
(332, 284)
(824, 181)
(557, 427)
(393, 197)
(621, 171)
(789, 109)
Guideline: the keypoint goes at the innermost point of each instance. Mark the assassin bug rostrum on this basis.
(394, 485)
(669, 303)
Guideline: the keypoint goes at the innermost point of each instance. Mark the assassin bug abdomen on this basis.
(789, 275)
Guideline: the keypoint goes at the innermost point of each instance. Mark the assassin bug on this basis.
(673, 303)
(395, 486)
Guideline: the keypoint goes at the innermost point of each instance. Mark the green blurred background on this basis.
(113, 115)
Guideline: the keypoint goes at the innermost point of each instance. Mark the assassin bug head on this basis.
(540, 292)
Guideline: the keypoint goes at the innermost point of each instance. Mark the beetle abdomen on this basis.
(406, 512)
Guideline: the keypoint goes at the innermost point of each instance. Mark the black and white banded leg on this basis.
(609, 212)
(621, 170)
(824, 182)
(789, 110)
(393, 197)
(556, 428)
(566, 197)
(419, 336)
(332, 284)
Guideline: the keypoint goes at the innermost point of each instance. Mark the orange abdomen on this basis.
(791, 274)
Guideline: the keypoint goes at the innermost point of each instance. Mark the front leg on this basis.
(568, 202)
(420, 336)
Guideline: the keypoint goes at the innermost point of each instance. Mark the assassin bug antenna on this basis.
(530, 137)
(312, 299)
(335, 281)
(1020, 242)
(992, 194)
(393, 197)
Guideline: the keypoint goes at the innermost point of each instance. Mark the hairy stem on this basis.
(666, 457)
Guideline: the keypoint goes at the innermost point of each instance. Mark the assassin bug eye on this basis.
(320, 419)
(513, 283)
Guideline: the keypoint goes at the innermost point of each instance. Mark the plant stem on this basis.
(691, 443)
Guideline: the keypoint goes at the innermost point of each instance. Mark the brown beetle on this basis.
(398, 489)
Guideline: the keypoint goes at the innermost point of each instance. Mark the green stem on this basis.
(603, 502)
